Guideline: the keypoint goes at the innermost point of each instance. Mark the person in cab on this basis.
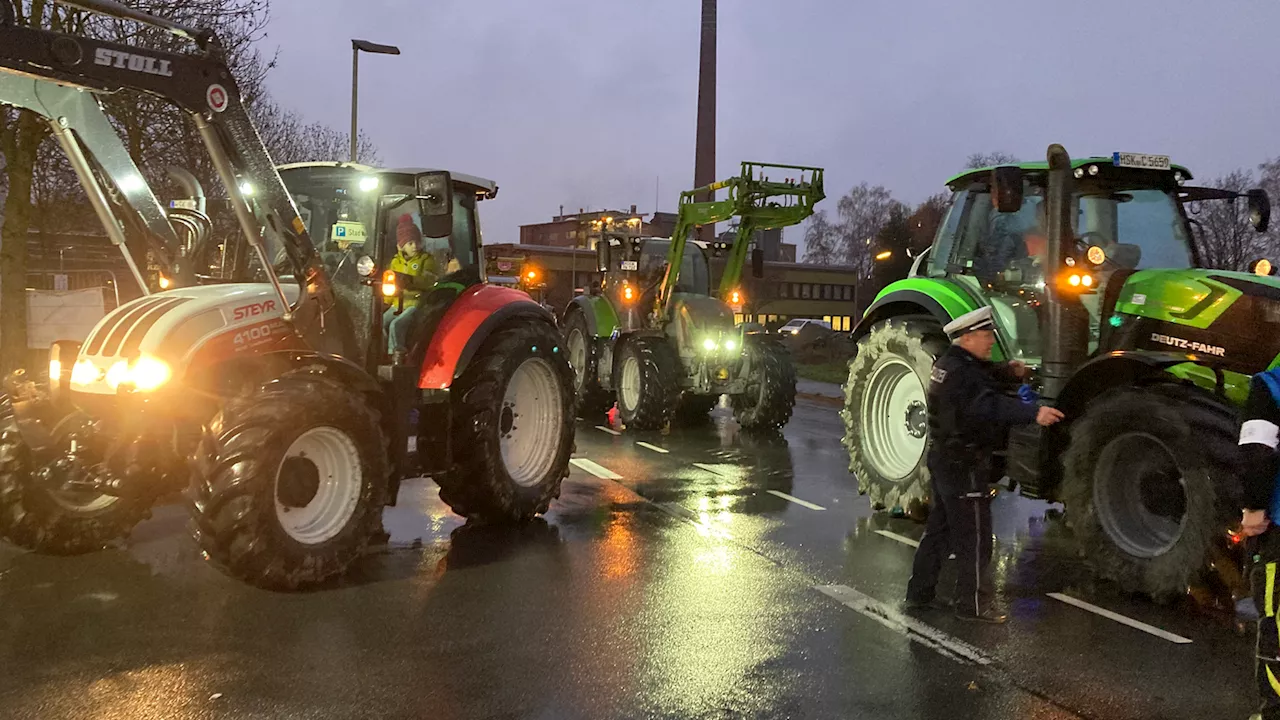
(417, 272)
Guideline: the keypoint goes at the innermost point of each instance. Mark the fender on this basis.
(265, 367)
(1133, 367)
(597, 311)
(943, 300)
(469, 321)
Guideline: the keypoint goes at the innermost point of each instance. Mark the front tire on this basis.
(583, 353)
(771, 390)
(289, 484)
(885, 412)
(647, 382)
(1149, 485)
(35, 512)
(512, 427)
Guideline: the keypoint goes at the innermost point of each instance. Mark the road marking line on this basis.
(1164, 634)
(895, 620)
(609, 430)
(900, 538)
(599, 471)
(796, 500)
(654, 448)
(709, 468)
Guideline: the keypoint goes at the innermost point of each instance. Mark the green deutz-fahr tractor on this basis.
(652, 333)
(1092, 272)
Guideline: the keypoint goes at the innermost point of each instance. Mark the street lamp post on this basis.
(356, 47)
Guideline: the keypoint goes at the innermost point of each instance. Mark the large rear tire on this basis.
(885, 412)
(289, 484)
(770, 397)
(513, 427)
(1149, 485)
(647, 382)
(36, 511)
(583, 353)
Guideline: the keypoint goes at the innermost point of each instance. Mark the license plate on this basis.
(1139, 160)
(630, 265)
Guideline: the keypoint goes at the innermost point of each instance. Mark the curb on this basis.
(821, 399)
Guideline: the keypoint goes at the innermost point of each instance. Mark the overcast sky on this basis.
(585, 103)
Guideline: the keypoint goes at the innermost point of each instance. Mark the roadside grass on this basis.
(832, 371)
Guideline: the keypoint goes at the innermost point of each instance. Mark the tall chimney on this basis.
(704, 164)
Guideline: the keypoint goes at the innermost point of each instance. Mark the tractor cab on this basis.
(364, 218)
(1127, 214)
(634, 269)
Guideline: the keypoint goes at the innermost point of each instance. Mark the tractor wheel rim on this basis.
(577, 357)
(891, 439)
(1140, 495)
(532, 422)
(629, 383)
(320, 479)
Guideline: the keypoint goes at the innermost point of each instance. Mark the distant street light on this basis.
(356, 47)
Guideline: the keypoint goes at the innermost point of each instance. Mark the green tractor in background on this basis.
(1094, 279)
(652, 334)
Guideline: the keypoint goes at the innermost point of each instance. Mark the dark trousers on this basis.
(960, 525)
(1266, 596)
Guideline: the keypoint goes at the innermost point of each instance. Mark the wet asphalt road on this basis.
(725, 577)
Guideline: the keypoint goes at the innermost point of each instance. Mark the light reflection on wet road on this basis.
(683, 590)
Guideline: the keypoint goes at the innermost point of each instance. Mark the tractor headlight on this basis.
(84, 373)
(709, 345)
(145, 374)
(149, 373)
(730, 345)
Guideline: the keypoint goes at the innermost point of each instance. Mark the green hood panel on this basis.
(605, 317)
(1195, 298)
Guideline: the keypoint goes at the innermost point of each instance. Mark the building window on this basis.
(795, 290)
(782, 290)
(827, 319)
(773, 318)
(826, 292)
(738, 318)
(805, 291)
(848, 292)
(760, 319)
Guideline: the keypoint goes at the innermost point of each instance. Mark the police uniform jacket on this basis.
(969, 418)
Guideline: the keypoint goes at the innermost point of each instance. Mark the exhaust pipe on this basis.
(1068, 321)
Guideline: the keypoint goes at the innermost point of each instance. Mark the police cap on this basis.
(979, 319)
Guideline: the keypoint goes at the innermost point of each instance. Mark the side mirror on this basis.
(435, 203)
(1259, 209)
(757, 263)
(364, 266)
(1006, 188)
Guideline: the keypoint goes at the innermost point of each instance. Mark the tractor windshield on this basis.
(339, 206)
(695, 275)
(1138, 228)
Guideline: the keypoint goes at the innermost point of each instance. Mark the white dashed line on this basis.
(709, 468)
(654, 448)
(596, 469)
(900, 538)
(895, 620)
(1163, 634)
(609, 430)
(796, 500)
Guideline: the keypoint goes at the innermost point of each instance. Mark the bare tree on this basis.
(1224, 237)
(820, 240)
(981, 160)
(289, 139)
(863, 212)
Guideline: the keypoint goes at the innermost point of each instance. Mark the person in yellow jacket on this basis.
(420, 268)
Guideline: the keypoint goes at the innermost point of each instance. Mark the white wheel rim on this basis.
(629, 383)
(577, 346)
(336, 461)
(893, 437)
(530, 422)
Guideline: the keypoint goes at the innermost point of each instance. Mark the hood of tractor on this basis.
(152, 341)
(1214, 315)
(700, 323)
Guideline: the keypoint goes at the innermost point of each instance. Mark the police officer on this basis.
(969, 419)
(1259, 437)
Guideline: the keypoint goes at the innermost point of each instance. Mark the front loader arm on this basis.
(203, 86)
